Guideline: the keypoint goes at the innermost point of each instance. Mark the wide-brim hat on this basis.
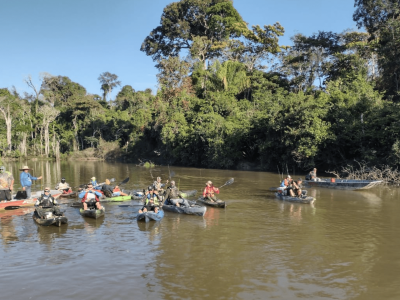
(25, 168)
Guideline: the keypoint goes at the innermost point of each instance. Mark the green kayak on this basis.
(117, 199)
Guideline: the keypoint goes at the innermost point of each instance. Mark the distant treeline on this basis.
(229, 93)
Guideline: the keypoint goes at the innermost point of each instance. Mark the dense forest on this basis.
(228, 93)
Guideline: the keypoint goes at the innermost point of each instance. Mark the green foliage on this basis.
(328, 100)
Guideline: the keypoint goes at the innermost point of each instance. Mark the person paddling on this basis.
(209, 192)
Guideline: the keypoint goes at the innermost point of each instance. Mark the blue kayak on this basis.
(150, 215)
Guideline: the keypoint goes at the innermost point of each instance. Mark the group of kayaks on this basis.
(197, 207)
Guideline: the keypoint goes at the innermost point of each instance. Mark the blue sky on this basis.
(83, 38)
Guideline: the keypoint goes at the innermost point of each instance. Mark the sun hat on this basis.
(93, 178)
(25, 168)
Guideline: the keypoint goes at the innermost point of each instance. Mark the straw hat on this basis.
(93, 178)
(25, 168)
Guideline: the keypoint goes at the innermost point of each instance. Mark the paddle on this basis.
(124, 181)
(11, 207)
(229, 182)
(83, 185)
(130, 205)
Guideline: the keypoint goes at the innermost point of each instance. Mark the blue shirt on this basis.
(26, 179)
(83, 193)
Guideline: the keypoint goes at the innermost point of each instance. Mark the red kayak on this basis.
(20, 203)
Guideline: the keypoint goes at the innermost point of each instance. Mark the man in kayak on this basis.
(296, 187)
(63, 187)
(6, 184)
(152, 201)
(110, 191)
(209, 192)
(47, 203)
(173, 195)
(158, 186)
(286, 182)
(89, 196)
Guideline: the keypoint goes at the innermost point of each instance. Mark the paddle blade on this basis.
(229, 182)
(124, 181)
(11, 207)
(172, 174)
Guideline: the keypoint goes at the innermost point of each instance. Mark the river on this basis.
(345, 246)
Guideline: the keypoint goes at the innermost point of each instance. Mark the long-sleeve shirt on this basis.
(26, 179)
(82, 195)
(62, 186)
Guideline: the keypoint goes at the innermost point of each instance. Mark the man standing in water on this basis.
(26, 181)
(6, 184)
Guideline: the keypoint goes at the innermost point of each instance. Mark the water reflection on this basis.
(212, 216)
(8, 230)
(90, 225)
(152, 227)
(49, 234)
(345, 246)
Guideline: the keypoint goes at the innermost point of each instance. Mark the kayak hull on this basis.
(196, 210)
(92, 213)
(219, 203)
(55, 220)
(150, 216)
(302, 199)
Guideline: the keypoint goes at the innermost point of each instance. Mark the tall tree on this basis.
(204, 24)
(381, 18)
(49, 114)
(108, 83)
(8, 106)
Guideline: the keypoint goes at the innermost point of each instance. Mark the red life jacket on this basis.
(85, 197)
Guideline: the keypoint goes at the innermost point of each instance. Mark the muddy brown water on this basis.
(345, 246)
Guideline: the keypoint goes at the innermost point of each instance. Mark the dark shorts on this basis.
(150, 207)
(5, 195)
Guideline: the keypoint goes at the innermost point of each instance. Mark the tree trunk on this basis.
(8, 120)
(46, 139)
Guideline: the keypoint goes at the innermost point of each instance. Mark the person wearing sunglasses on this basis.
(90, 197)
(47, 203)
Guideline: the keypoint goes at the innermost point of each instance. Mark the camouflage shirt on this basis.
(6, 179)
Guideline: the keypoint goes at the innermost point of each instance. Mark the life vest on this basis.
(155, 199)
(46, 202)
(173, 192)
(85, 197)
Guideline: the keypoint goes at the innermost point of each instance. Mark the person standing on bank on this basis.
(6, 184)
(26, 181)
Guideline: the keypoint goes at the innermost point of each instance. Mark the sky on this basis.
(81, 39)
